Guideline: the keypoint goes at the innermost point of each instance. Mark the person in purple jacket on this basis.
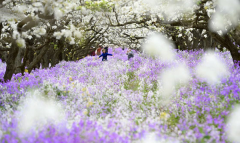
(104, 55)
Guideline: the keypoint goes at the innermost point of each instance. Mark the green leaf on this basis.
(200, 129)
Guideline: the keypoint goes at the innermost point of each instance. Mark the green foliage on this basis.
(55, 47)
(199, 2)
(173, 120)
(103, 6)
(19, 79)
(147, 88)
(155, 85)
(132, 82)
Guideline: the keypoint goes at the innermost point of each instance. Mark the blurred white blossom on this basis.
(170, 8)
(153, 138)
(233, 124)
(173, 77)
(21, 43)
(226, 16)
(77, 34)
(36, 111)
(158, 45)
(72, 41)
(211, 69)
(66, 33)
(39, 31)
(58, 13)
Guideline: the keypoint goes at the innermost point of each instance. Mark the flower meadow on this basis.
(122, 100)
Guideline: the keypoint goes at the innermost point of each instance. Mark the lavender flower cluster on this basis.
(116, 101)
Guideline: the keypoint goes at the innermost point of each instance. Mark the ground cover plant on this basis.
(121, 100)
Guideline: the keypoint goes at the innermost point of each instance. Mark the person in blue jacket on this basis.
(104, 55)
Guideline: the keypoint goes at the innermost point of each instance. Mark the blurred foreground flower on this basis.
(233, 123)
(172, 78)
(226, 16)
(37, 111)
(158, 45)
(211, 69)
(153, 138)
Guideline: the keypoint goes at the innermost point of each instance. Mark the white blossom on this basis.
(226, 16)
(211, 69)
(77, 34)
(72, 41)
(58, 35)
(36, 111)
(173, 77)
(158, 45)
(21, 43)
(58, 13)
(233, 125)
(66, 33)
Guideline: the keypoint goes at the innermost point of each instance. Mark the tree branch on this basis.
(4, 49)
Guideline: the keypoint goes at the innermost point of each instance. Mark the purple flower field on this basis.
(117, 101)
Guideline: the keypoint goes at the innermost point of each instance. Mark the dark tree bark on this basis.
(55, 59)
(11, 61)
(18, 60)
(38, 58)
(45, 60)
(25, 58)
(1, 26)
(228, 43)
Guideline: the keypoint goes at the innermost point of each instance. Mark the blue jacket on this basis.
(104, 55)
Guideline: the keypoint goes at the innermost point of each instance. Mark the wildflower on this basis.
(212, 96)
(84, 89)
(70, 79)
(163, 115)
(87, 92)
(90, 103)
(26, 70)
(85, 111)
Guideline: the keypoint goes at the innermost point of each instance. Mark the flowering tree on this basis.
(49, 31)
(190, 24)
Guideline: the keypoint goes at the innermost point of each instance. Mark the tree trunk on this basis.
(1, 26)
(55, 59)
(233, 49)
(11, 61)
(18, 60)
(196, 38)
(226, 41)
(45, 60)
(38, 58)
